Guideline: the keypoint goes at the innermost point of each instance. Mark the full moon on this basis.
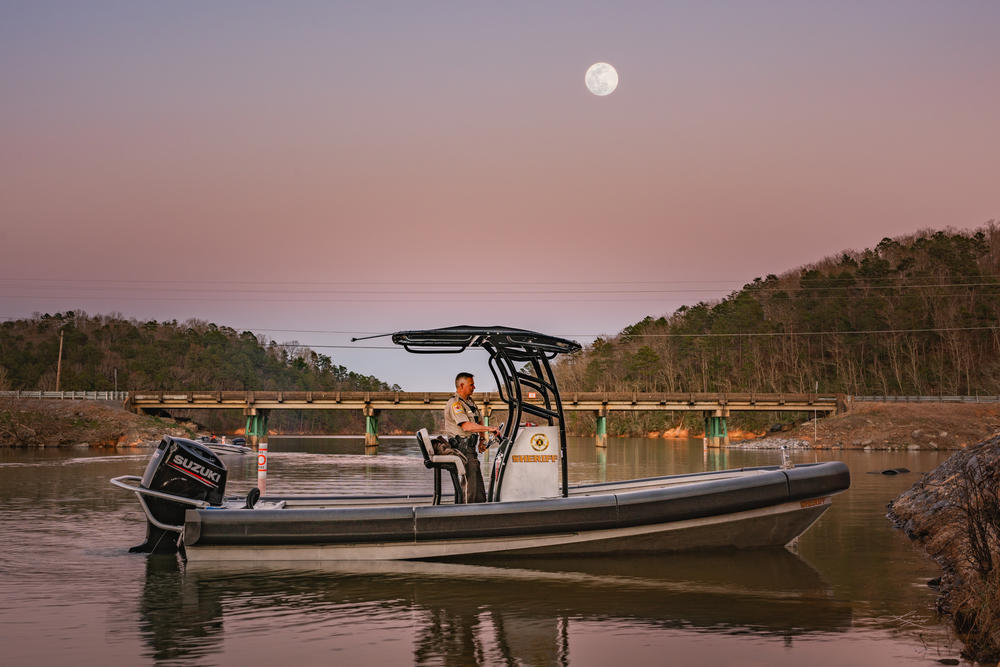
(601, 79)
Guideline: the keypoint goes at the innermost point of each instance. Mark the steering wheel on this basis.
(494, 438)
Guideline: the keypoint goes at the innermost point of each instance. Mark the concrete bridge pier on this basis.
(371, 430)
(716, 429)
(602, 427)
(256, 428)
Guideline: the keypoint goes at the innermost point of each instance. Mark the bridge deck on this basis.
(401, 400)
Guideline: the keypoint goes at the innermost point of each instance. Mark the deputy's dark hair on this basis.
(462, 376)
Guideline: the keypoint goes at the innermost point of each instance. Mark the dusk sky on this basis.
(302, 169)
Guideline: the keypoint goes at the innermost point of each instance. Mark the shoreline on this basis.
(953, 514)
(868, 426)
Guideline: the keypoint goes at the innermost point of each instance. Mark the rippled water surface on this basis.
(854, 592)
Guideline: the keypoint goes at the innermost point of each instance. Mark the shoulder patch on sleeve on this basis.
(457, 407)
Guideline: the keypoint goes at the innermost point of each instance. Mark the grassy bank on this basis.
(37, 423)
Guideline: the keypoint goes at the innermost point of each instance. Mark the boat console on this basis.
(531, 466)
(531, 463)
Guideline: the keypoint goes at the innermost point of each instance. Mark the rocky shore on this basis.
(49, 423)
(953, 513)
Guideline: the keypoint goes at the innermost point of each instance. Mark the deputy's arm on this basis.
(472, 427)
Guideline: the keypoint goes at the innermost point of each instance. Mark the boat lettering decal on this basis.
(533, 458)
(196, 470)
(539, 442)
(812, 502)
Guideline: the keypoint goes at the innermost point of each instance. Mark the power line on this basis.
(595, 335)
(757, 334)
(806, 333)
(652, 301)
(479, 291)
(694, 335)
(126, 281)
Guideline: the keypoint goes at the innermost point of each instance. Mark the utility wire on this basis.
(694, 335)
(593, 335)
(652, 301)
(477, 291)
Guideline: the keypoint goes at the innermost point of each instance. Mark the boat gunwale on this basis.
(576, 490)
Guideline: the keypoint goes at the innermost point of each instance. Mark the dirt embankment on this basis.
(49, 423)
(953, 513)
(901, 426)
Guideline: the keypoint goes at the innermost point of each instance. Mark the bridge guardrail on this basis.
(67, 395)
(568, 398)
(926, 399)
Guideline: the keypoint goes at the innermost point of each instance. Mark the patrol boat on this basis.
(531, 509)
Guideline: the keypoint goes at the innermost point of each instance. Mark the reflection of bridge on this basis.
(257, 404)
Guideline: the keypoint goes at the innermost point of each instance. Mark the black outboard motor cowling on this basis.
(185, 468)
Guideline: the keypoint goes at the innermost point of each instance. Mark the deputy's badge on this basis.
(539, 442)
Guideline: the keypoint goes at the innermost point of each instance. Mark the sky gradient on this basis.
(305, 168)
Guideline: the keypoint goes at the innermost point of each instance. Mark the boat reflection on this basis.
(511, 611)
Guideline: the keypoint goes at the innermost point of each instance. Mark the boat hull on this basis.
(765, 527)
(731, 509)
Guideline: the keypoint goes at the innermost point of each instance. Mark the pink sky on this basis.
(326, 167)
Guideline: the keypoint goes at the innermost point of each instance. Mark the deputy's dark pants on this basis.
(475, 488)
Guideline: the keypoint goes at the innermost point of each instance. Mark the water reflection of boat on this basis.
(531, 508)
(518, 614)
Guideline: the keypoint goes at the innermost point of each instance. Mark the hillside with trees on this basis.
(193, 355)
(914, 315)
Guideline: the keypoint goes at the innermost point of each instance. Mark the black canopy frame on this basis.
(507, 347)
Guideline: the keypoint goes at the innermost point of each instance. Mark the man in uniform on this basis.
(462, 419)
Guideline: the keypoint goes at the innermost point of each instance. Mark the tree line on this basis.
(917, 315)
(105, 352)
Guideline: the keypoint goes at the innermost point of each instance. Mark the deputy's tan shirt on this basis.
(457, 411)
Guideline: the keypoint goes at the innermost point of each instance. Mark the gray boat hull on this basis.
(729, 509)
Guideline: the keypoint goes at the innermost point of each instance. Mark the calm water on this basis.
(854, 593)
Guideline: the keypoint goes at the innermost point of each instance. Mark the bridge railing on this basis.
(67, 395)
(927, 399)
(410, 397)
(571, 398)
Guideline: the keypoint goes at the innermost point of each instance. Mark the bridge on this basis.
(256, 405)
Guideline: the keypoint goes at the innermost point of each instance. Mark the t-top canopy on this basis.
(533, 380)
(518, 343)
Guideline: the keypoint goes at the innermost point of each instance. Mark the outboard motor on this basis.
(179, 467)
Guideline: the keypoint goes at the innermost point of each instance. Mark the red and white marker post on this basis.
(262, 465)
